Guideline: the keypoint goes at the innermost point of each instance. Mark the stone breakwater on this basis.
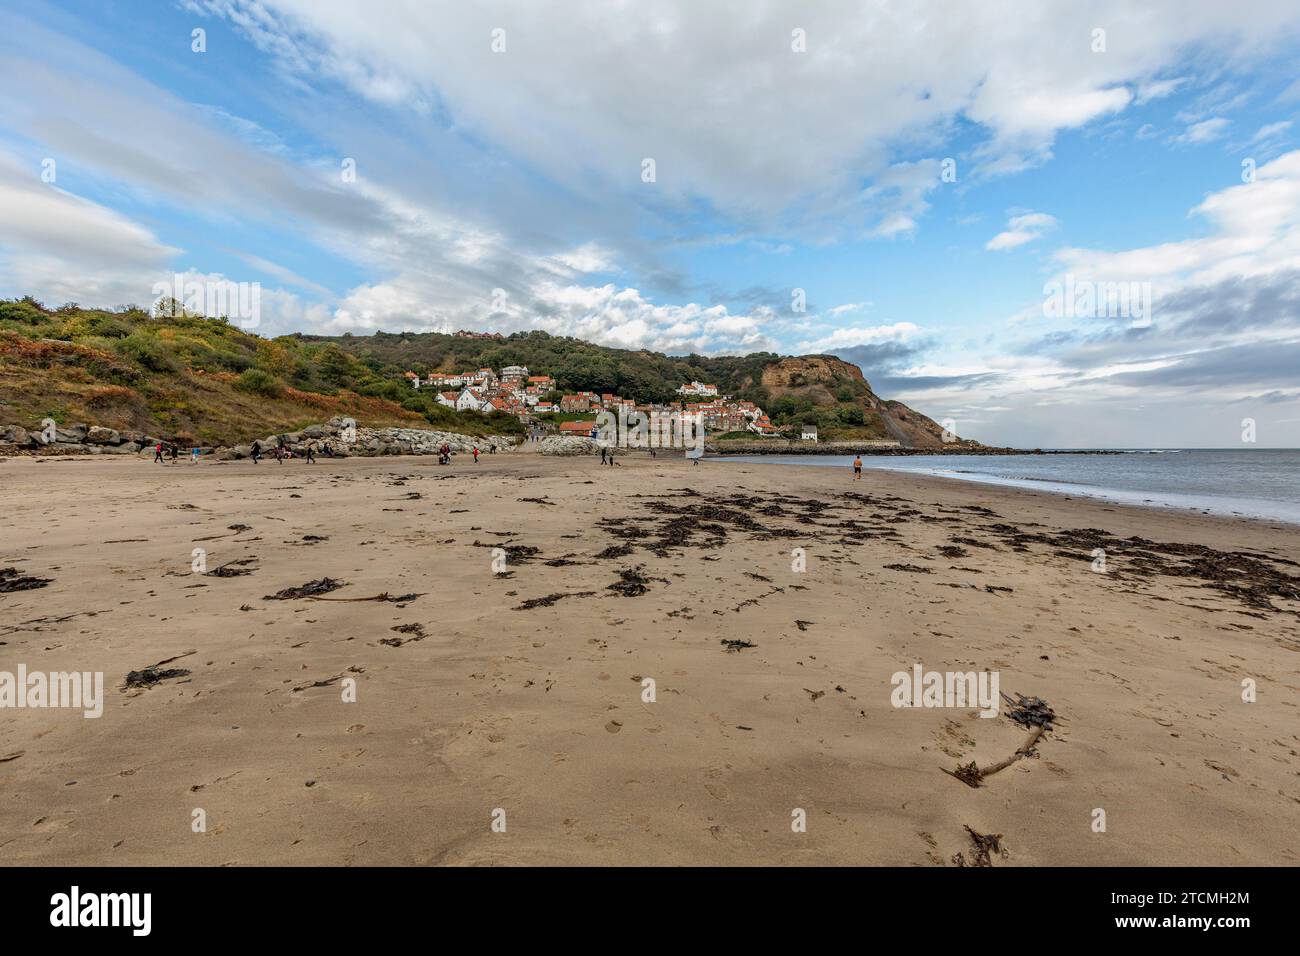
(342, 440)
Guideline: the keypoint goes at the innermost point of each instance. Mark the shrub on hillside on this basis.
(255, 381)
(145, 350)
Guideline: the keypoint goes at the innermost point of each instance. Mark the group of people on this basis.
(283, 451)
(164, 451)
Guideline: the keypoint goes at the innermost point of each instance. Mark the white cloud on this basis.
(1203, 132)
(1021, 230)
(731, 114)
(1271, 131)
(1158, 89)
(847, 338)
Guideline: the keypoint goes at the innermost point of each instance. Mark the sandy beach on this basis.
(520, 697)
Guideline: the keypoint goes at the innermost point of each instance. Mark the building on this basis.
(514, 373)
(447, 398)
(581, 429)
(469, 400)
(700, 389)
(761, 426)
(808, 433)
(575, 403)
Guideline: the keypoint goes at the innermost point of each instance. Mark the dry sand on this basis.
(539, 711)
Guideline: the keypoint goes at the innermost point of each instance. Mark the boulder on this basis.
(140, 438)
(71, 435)
(16, 435)
(103, 436)
(567, 445)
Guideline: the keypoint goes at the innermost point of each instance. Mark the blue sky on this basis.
(503, 189)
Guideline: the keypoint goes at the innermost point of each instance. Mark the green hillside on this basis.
(199, 379)
(196, 379)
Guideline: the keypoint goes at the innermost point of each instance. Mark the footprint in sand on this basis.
(718, 792)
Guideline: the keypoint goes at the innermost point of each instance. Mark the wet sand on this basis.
(523, 692)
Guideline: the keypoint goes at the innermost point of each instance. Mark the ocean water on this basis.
(1254, 483)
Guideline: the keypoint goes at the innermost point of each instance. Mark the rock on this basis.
(103, 436)
(139, 438)
(126, 448)
(16, 435)
(567, 445)
(71, 435)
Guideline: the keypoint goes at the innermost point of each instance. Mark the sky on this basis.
(1057, 224)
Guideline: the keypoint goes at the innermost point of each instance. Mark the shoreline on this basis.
(1114, 496)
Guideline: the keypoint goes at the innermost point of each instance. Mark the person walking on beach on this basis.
(176, 451)
(857, 468)
(311, 453)
(476, 454)
(158, 455)
(257, 452)
(604, 453)
(194, 455)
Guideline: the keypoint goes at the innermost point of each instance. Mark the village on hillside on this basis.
(535, 400)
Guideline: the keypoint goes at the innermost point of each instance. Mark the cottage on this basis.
(808, 433)
(469, 400)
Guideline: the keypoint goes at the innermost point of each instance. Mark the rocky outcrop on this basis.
(827, 381)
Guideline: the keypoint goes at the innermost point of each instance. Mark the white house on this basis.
(809, 433)
(514, 373)
(698, 388)
(447, 398)
(469, 401)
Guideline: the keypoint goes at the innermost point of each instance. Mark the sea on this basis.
(1255, 483)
